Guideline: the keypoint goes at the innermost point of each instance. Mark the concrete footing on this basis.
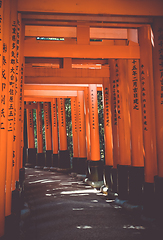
(114, 180)
(31, 157)
(107, 176)
(123, 171)
(40, 160)
(82, 164)
(75, 164)
(48, 158)
(64, 159)
(136, 180)
(149, 200)
(159, 197)
(95, 171)
(54, 160)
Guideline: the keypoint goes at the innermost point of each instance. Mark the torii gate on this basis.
(135, 130)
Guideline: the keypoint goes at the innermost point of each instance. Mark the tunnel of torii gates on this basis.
(55, 50)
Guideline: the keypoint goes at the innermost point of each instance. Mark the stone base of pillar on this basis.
(22, 178)
(148, 200)
(64, 159)
(114, 180)
(123, 172)
(31, 157)
(136, 181)
(48, 158)
(16, 200)
(95, 170)
(159, 197)
(40, 160)
(55, 160)
(81, 167)
(11, 227)
(75, 164)
(107, 176)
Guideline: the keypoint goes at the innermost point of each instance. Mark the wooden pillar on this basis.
(114, 106)
(11, 105)
(87, 121)
(107, 131)
(40, 154)
(74, 133)
(149, 128)
(4, 33)
(64, 158)
(48, 134)
(158, 86)
(81, 133)
(124, 127)
(136, 171)
(31, 151)
(95, 165)
(20, 170)
(54, 132)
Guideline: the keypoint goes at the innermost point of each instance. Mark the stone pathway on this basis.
(65, 208)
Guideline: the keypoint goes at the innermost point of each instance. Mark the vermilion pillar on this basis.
(64, 158)
(20, 62)
(149, 127)
(95, 165)
(40, 154)
(54, 131)
(5, 19)
(114, 106)
(124, 127)
(74, 133)
(87, 121)
(81, 133)
(31, 151)
(136, 171)
(158, 86)
(48, 134)
(107, 131)
(11, 106)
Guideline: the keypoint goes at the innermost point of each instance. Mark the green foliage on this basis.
(69, 125)
(101, 123)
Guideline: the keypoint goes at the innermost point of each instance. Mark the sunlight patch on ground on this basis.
(133, 227)
(83, 227)
(48, 194)
(78, 209)
(80, 191)
(110, 201)
(44, 181)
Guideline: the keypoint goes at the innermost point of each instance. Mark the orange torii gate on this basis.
(126, 39)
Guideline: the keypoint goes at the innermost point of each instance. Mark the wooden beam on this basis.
(37, 99)
(127, 7)
(91, 20)
(66, 72)
(30, 106)
(50, 31)
(63, 80)
(59, 50)
(49, 93)
(91, 24)
(58, 87)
